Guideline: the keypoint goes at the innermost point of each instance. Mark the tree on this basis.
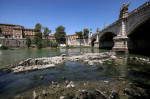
(85, 33)
(38, 35)
(80, 34)
(38, 27)
(60, 34)
(28, 41)
(39, 44)
(46, 32)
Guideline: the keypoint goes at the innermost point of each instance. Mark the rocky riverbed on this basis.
(86, 90)
(50, 62)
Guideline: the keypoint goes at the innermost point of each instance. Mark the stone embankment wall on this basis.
(10, 42)
(77, 42)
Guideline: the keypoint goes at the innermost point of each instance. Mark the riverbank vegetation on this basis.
(41, 39)
(4, 48)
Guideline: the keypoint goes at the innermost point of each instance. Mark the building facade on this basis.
(15, 31)
(72, 36)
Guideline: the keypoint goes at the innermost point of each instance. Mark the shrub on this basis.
(39, 45)
(4, 47)
(54, 44)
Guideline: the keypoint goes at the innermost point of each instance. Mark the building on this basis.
(50, 37)
(72, 36)
(15, 31)
(29, 32)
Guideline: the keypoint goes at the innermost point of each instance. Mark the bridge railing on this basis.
(139, 8)
(110, 25)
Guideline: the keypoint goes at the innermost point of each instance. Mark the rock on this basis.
(131, 58)
(54, 83)
(63, 78)
(113, 57)
(41, 77)
(62, 97)
(105, 81)
(63, 55)
(128, 91)
(66, 82)
(82, 94)
(44, 93)
(34, 95)
(86, 61)
(114, 95)
(90, 63)
(81, 53)
(70, 85)
(99, 95)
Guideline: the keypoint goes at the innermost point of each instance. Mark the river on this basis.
(14, 84)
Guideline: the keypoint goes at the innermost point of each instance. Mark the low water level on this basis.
(14, 84)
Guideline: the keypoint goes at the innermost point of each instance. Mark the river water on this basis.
(14, 84)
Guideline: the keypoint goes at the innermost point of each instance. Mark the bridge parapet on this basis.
(139, 8)
(111, 25)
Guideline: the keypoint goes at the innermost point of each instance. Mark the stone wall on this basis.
(9, 42)
(77, 42)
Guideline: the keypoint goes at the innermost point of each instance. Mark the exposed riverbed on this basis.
(118, 75)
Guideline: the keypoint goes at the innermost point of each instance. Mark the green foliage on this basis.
(80, 34)
(46, 32)
(39, 44)
(38, 27)
(38, 37)
(28, 41)
(3, 47)
(46, 43)
(60, 34)
(86, 33)
(54, 44)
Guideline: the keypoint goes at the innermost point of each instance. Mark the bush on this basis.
(46, 43)
(28, 41)
(4, 47)
(39, 45)
(54, 44)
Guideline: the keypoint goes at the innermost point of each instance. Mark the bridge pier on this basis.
(121, 44)
(96, 44)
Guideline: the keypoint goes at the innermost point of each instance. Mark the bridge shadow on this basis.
(139, 39)
(106, 41)
(92, 42)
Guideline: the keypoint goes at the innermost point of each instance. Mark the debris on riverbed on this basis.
(89, 90)
(51, 62)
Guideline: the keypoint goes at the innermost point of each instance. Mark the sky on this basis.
(74, 15)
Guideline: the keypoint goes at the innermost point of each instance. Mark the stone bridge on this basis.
(128, 34)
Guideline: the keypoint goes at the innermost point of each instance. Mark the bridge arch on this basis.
(106, 40)
(139, 38)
